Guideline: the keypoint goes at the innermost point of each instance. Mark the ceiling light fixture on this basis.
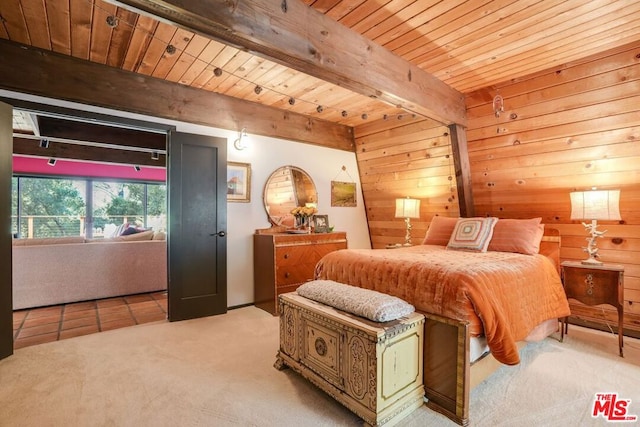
(112, 21)
(241, 142)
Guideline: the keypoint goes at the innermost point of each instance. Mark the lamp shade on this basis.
(407, 208)
(596, 204)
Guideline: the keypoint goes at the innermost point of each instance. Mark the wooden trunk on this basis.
(374, 369)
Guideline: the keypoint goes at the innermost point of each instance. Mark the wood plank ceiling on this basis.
(468, 45)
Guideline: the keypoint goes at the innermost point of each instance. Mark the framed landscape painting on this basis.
(343, 194)
(238, 182)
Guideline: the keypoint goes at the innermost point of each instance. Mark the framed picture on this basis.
(343, 194)
(321, 223)
(238, 182)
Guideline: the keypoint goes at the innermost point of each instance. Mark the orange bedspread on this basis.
(502, 295)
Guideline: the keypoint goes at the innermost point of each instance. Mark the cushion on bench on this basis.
(366, 303)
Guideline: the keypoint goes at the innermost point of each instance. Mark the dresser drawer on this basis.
(292, 274)
(300, 254)
(591, 286)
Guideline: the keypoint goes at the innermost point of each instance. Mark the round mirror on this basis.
(287, 188)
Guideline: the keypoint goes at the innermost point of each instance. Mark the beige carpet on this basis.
(218, 371)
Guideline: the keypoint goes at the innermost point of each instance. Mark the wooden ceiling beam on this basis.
(60, 150)
(298, 36)
(39, 72)
(53, 127)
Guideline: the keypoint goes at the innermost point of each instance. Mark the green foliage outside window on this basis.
(54, 207)
(50, 207)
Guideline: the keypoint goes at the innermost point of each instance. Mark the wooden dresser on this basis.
(282, 262)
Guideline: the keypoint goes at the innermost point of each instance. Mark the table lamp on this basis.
(594, 205)
(407, 208)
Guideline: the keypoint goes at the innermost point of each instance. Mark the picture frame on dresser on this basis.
(238, 182)
(321, 223)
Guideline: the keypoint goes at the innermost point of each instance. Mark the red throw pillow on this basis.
(517, 235)
(440, 231)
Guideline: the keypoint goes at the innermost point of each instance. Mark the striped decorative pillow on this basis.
(472, 234)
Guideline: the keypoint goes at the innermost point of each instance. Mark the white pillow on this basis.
(373, 305)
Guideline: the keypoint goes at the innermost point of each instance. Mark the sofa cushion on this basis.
(118, 231)
(159, 235)
(145, 235)
(48, 241)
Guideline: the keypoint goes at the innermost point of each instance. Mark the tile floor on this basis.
(46, 324)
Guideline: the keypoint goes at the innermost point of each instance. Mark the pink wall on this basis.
(39, 166)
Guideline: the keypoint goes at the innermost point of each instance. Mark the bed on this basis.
(481, 305)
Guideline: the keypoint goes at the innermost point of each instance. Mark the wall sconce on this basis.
(44, 143)
(155, 155)
(498, 105)
(51, 162)
(137, 168)
(595, 205)
(241, 142)
(407, 208)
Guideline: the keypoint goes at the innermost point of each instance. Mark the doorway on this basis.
(178, 284)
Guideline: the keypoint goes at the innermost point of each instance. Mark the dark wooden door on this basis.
(197, 175)
(6, 170)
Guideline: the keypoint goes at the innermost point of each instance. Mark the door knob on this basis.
(219, 234)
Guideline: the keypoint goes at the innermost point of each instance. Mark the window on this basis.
(55, 207)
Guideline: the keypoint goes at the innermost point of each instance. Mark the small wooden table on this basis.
(595, 284)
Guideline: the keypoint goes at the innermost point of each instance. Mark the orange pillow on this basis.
(440, 230)
(517, 235)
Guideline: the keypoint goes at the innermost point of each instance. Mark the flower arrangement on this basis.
(304, 211)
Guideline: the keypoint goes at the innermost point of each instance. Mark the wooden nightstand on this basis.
(593, 285)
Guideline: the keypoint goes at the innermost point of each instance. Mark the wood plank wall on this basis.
(405, 157)
(568, 128)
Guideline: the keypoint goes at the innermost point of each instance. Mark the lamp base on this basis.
(591, 248)
(591, 261)
(407, 236)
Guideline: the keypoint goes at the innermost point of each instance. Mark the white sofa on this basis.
(70, 269)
